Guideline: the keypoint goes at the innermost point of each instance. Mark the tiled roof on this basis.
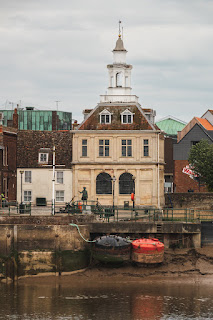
(205, 123)
(140, 121)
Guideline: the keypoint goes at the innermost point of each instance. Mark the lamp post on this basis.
(113, 193)
(21, 208)
(133, 204)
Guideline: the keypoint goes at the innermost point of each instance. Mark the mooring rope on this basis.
(75, 225)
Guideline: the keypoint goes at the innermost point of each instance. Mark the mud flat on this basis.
(188, 265)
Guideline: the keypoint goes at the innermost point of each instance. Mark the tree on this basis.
(201, 159)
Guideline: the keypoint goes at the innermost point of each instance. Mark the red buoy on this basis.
(147, 251)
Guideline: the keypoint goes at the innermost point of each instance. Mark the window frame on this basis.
(41, 154)
(104, 146)
(59, 180)
(106, 116)
(29, 174)
(59, 196)
(126, 147)
(146, 148)
(127, 117)
(84, 149)
(27, 195)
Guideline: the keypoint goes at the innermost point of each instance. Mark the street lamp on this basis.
(133, 204)
(21, 207)
(113, 193)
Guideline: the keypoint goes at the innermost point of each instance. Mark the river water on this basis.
(62, 299)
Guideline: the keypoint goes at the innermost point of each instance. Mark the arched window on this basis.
(119, 79)
(126, 183)
(103, 183)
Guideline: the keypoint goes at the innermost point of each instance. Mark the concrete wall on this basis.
(32, 249)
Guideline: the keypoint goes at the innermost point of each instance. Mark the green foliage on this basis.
(201, 158)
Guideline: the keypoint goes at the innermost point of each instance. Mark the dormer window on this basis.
(105, 116)
(127, 117)
(43, 155)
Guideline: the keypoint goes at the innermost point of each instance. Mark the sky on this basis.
(53, 50)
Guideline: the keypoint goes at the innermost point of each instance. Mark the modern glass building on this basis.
(31, 119)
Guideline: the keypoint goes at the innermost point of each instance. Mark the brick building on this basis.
(196, 130)
(8, 141)
(170, 126)
(35, 165)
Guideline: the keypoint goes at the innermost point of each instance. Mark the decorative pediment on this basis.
(127, 116)
(105, 116)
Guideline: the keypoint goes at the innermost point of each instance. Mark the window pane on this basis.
(102, 118)
(84, 151)
(145, 141)
(101, 151)
(107, 142)
(123, 142)
(106, 151)
(84, 142)
(129, 118)
(146, 151)
(124, 118)
(129, 142)
(123, 151)
(107, 118)
(129, 151)
(101, 142)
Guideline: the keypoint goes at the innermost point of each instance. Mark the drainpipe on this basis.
(53, 184)
(158, 171)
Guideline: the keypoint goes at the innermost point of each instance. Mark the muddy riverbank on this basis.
(179, 265)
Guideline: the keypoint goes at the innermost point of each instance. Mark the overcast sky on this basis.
(58, 50)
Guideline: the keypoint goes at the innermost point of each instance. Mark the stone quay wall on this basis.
(32, 245)
(200, 201)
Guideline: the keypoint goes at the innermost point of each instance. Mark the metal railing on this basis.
(14, 208)
(110, 213)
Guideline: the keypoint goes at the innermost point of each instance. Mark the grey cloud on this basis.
(53, 50)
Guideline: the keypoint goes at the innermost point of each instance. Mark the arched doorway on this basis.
(126, 183)
(103, 183)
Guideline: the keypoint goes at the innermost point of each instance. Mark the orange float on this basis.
(147, 251)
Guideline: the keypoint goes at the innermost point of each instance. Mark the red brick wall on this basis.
(9, 171)
(168, 155)
(182, 182)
